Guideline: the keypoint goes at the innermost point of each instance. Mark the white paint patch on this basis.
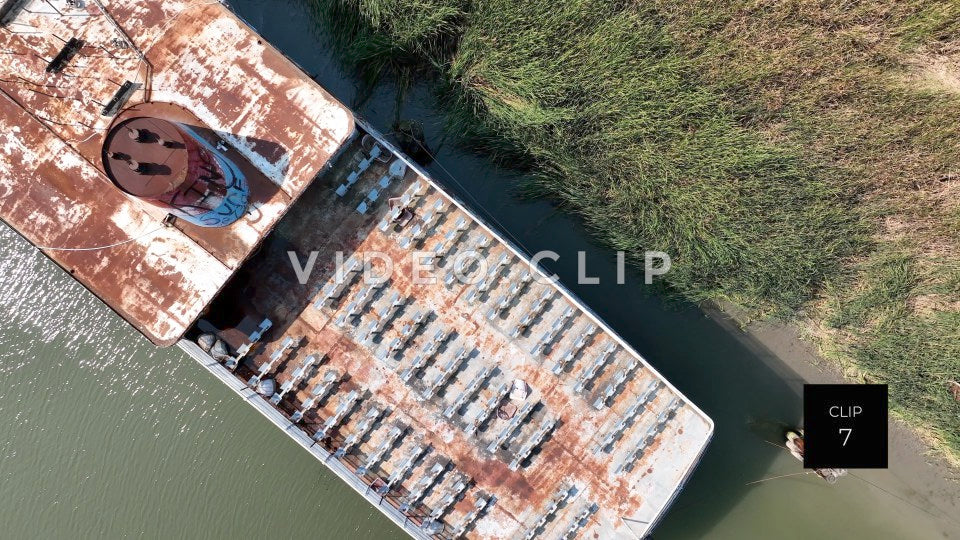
(70, 213)
(68, 159)
(127, 218)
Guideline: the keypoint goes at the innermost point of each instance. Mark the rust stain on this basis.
(209, 70)
(328, 223)
(206, 68)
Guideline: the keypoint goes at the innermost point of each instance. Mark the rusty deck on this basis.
(614, 481)
(403, 386)
(197, 57)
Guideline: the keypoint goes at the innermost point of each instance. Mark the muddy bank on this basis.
(916, 475)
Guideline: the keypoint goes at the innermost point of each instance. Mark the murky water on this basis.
(104, 435)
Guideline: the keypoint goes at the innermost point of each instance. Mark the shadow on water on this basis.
(722, 370)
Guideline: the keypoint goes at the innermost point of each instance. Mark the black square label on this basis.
(845, 426)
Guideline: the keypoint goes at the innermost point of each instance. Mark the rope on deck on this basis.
(96, 248)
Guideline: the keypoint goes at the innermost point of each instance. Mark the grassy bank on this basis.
(788, 155)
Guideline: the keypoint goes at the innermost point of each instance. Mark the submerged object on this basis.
(794, 442)
(412, 141)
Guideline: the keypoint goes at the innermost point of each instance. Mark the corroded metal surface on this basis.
(196, 56)
(55, 198)
(596, 444)
(142, 167)
(555, 441)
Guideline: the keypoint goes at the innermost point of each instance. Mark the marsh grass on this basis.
(787, 154)
(594, 98)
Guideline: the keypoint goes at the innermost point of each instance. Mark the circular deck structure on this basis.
(167, 164)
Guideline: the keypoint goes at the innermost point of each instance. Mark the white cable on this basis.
(127, 241)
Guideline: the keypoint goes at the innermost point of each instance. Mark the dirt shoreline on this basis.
(916, 474)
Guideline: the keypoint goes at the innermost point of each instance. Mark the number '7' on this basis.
(847, 438)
